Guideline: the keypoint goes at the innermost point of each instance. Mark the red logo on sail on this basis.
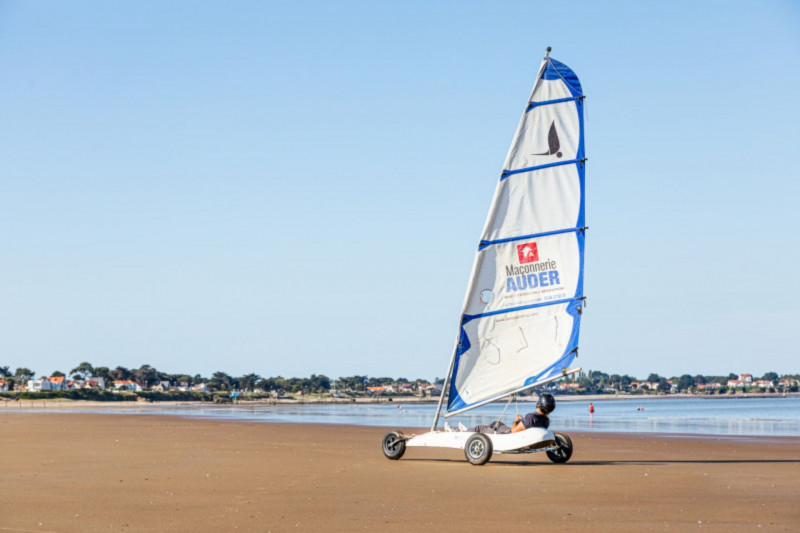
(528, 253)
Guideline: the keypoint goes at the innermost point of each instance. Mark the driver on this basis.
(537, 419)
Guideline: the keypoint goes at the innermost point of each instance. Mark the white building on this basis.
(127, 385)
(38, 385)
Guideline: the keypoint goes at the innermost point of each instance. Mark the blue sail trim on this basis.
(507, 173)
(557, 70)
(532, 105)
(484, 244)
(456, 402)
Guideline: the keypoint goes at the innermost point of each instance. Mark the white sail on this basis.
(521, 314)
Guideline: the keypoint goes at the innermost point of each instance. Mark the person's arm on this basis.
(517, 426)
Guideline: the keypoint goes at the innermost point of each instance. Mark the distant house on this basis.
(57, 383)
(431, 390)
(95, 383)
(376, 390)
(162, 386)
(200, 387)
(3, 385)
(127, 385)
(709, 386)
(38, 385)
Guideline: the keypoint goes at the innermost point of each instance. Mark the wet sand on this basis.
(90, 472)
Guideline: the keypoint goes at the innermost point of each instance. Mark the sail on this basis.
(521, 314)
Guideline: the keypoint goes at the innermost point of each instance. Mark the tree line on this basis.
(597, 381)
(148, 376)
(593, 381)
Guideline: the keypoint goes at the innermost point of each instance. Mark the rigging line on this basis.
(468, 318)
(484, 244)
(507, 173)
(506, 408)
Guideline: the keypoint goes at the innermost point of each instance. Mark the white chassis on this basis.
(529, 441)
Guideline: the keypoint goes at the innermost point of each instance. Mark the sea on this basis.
(778, 416)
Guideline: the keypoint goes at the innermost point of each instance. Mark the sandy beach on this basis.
(92, 472)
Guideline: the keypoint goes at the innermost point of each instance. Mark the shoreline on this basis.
(703, 422)
(86, 472)
(395, 400)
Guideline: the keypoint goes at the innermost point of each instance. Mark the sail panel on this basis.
(525, 272)
(521, 315)
(509, 351)
(547, 134)
(536, 202)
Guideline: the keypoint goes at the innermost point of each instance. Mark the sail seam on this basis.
(468, 318)
(507, 173)
(484, 244)
(532, 105)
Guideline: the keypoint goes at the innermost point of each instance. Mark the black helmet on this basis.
(546, 403)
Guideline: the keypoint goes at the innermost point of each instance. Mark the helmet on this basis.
(546, 403)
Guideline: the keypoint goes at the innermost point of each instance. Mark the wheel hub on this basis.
(476, 449)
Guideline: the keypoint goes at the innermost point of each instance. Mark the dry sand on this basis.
(87, 472)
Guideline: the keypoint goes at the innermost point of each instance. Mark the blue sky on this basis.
(298, 187)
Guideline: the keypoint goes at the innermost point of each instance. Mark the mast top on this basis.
(547, 52)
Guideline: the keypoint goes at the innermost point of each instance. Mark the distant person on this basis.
(591, 408)
(537, 419)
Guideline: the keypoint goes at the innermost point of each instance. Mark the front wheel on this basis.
(563, 451)
(393, 445)
(478, 449)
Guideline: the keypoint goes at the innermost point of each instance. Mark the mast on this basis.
(444, 388)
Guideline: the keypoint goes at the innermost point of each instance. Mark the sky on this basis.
(297, 188)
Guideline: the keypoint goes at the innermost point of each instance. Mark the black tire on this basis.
(393, 445)
(564, 451)
(478, 449)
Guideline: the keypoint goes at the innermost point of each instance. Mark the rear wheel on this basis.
(478, 449)
(393, 445)
(563, 452)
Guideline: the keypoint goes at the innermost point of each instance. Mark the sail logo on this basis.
(553, 143)
(528, 252)
(533, 275)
